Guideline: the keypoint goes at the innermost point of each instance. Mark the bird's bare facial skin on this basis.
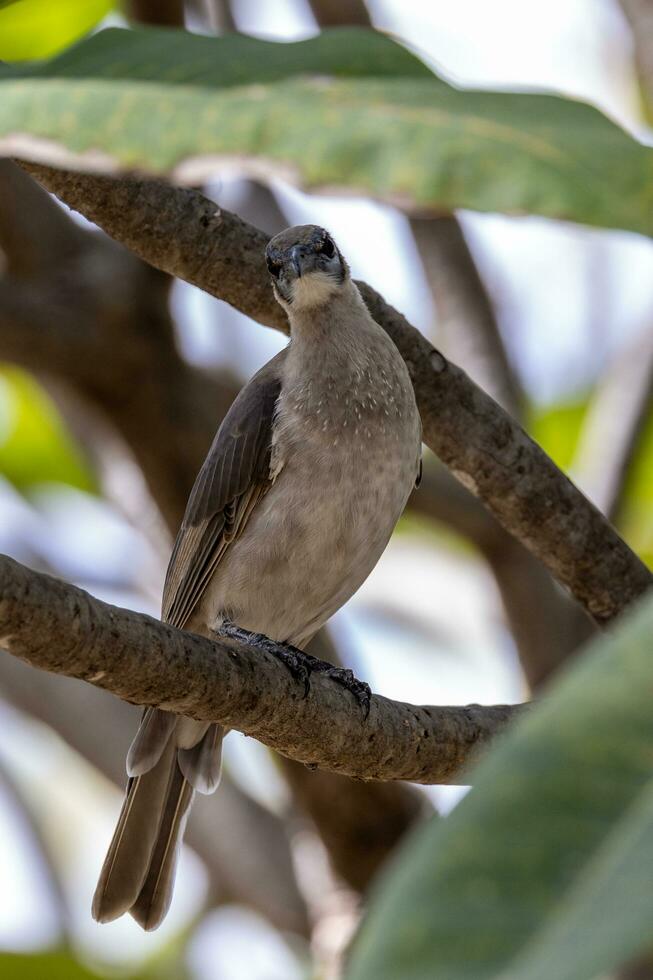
(305, 266)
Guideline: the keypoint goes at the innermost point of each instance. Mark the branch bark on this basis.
(147, 662)
(185, 234)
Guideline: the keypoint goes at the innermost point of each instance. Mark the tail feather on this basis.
(155, 895)
(138, 872)
(128, 858)
(152, 736)
(202, 764)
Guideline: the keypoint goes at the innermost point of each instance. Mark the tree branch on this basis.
(465, 312)
(148, 662)
(185, 234)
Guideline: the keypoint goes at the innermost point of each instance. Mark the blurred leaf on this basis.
(41, 28)
(62, 965)
(636, 517)
(545, 870)
(55, 965)
(34, 444)
(347, 109)
(557, 429)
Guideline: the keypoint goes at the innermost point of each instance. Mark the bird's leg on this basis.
(300, 664)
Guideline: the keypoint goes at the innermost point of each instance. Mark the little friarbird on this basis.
(291, 510)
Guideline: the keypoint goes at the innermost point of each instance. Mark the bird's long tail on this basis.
(169, 759)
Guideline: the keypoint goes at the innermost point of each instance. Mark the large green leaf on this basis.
(545, 870)
(349, 109)
(41, 28)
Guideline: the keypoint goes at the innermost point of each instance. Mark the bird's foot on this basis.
(298, 663)
(301, 665)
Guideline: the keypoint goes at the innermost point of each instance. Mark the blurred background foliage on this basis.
(36, 446)
(553, 319)
(38, 29)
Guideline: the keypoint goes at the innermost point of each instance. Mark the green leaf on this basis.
(34, 444)
(41, 28)
(546, 868)
(349, 109)
(557, 428)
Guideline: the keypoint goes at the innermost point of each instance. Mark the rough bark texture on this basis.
(148, 662)
(185, 234)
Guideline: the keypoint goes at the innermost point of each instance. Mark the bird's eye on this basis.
(328, 248)
(273, 268)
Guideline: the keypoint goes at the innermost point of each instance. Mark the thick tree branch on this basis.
(185, 234)
(148, 662)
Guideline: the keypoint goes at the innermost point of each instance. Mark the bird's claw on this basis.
(301, 665)
(347, 679)
(297, 662)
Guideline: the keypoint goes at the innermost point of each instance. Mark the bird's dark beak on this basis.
(296, 260)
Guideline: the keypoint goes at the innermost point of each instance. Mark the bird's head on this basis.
(306, 267)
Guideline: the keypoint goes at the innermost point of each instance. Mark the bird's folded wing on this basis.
(234, 477)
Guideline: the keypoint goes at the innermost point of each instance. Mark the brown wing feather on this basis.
(234, 477)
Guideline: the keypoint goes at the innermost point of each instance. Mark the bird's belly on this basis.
(310, 543)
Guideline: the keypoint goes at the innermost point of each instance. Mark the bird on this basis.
(296, 501)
